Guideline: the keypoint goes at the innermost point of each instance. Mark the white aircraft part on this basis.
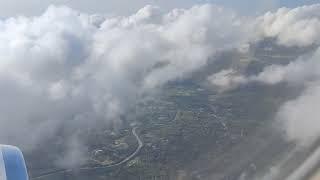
(3, 175)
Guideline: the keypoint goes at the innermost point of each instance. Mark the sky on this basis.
(9, 8)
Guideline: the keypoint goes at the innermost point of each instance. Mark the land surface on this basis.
(188, 130)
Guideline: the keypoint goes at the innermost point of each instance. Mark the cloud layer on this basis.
(65, 68)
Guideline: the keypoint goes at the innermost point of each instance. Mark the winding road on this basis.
(127, 159)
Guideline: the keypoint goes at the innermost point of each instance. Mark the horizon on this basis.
(15, 8)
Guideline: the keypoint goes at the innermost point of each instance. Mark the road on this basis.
(127, 159)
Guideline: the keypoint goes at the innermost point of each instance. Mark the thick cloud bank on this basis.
(65, 68)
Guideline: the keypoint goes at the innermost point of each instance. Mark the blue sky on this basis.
(297, 2)
(10, 8)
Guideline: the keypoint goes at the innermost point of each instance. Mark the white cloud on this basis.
(300, 72)
(289, 27)
(301, 116)
(67, 67)
(226, 80)
(292, 27)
